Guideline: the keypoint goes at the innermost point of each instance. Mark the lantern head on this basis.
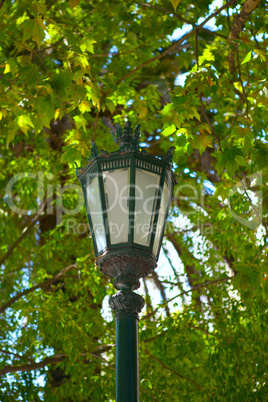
(127, 195)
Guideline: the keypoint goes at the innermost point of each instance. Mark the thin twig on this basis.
(33, 366)
(96, 123)
(161, 288)
(259, 253)
(17, 355)
(238, 24)
(202, 329)
(125, 52)
(173, 47)
(48, 360)
(203, 285)
(174, 270)
(196, 49)
(218, 142)
(208, 121)
(104, 360)
(251, 203)
(52, 82)
(240, 79)
(167, 11)
(23, 233)
(42, 285)
(156, 336)
(172, 370)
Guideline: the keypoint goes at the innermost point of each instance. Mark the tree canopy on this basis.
(194, 75)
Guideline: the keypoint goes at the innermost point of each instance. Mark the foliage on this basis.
(194, 76)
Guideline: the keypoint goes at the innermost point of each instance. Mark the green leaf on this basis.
(45, 110)
(247, 58)
(203, 142)
(181, 140)
(80, 121)
(35, 29)
(25, 123)
(84, 106)
(240, 160)
(87, 44)
(74, 3)
(28, 27)
(39, 31)
(10, 136)
(110, 105)
(10, 66)
(175, 3)
(169, 130)
(228, 159)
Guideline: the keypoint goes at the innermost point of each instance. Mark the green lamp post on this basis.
(127, 195)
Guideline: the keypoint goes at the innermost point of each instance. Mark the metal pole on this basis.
(127, 305)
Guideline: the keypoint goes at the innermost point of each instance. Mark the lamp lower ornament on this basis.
(126, 302)
(125, 269)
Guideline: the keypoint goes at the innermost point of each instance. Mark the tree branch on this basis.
(190, 268)
(51, 360)
(240, 79)
(203, 330)
(16, 355)
(172, 370)
(96, 123)
(161, 288)
(174, 46)
(208, 121)
(218, 142)
(178, 283)
(237, 27)
(202, 285)
(251, 203)
(167, 11)
(92, 56)
(33, 366)
(23, 233)
(147, 297)
(42, 285)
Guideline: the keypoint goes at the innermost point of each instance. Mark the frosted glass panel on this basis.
(146, 189)
(161, 218)
(116, 187)
(94, 204)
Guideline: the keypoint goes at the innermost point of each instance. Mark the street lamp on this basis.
(127, 195)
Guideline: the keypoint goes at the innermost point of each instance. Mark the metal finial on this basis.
(77, 169)
(94, 151)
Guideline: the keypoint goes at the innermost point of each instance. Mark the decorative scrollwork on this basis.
(126, 302)
(125, 139)
(78, 170)
(94, 151)
(169, 155)
(126, 270)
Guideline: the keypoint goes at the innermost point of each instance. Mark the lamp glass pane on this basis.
(116, 188)
(161, 218)
(146, 189)
(95, 210)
